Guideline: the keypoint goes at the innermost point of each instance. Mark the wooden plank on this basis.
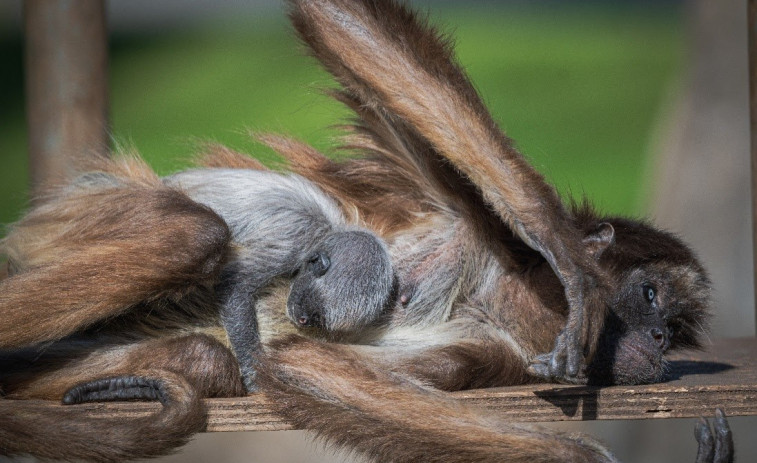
(66, 84)
(725, 376)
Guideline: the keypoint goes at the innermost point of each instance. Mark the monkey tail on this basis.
(73, 433)
(352, 403)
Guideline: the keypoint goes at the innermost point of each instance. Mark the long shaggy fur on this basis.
(88, 246)
(366, 408)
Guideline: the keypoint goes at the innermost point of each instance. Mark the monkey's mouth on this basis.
(637, 364)
(303, 318)
(626, 359)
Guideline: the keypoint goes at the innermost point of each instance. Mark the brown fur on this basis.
(358, 43)
(206, 363)
(217, 155)
(399, 421)
(31, 426)
(491, 268)
(78, 255)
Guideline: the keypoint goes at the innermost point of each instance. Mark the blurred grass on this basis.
(578, 87)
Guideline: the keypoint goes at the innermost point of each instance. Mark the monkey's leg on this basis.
(178, 372)
(330, 388)
(479, 358)
(390, 62)
(203, 361)
(92, 256)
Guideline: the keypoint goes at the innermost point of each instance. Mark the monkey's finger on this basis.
(542, 367)
(723, 438)
(539, 366)
(557, 362)
(706, 449)
(574, 354)
(566, 359)
(540, 370)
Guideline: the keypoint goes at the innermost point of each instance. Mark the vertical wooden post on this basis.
(752, 18)
(66, 84)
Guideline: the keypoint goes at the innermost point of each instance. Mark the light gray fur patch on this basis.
(261, 207)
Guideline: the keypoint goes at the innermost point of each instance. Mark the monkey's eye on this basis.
(319, 263)
(648, 292)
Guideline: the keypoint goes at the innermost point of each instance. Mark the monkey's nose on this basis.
(660, 338)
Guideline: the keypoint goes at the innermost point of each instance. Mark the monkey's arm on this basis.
(404, 72)
(239, 287)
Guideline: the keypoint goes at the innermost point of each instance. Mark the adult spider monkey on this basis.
(491, 268)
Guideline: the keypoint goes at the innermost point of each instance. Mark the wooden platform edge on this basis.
(252, 413)
(724, 377)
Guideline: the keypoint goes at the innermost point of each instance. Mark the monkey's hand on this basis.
(717, 449)
(587, 296)
(554, 366)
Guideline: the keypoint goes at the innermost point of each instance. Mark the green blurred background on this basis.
(578, 86)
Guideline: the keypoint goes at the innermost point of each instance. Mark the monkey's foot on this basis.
(564, 364)
(717, 449)
(117, 388)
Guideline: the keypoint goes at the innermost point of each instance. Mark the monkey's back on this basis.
(259, 206)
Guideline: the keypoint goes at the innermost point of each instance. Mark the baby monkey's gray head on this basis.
(344, 284)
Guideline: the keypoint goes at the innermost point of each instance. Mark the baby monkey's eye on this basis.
(648, 292)
(319, 263)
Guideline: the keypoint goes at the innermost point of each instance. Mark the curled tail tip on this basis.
(49, 431)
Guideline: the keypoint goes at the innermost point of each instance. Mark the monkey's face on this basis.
(661, 303)
(344, 284)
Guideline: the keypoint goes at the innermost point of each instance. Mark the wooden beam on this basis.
(752, 38)
(66, 84)
(725, 376)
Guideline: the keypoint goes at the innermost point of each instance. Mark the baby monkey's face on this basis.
(344, 284)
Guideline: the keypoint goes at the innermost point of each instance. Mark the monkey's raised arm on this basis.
(405, 74)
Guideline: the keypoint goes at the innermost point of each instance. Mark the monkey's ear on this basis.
(600, 239)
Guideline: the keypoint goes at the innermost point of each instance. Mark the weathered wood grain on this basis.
(725, 376)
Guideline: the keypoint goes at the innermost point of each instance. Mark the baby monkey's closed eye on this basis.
(319, 263)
